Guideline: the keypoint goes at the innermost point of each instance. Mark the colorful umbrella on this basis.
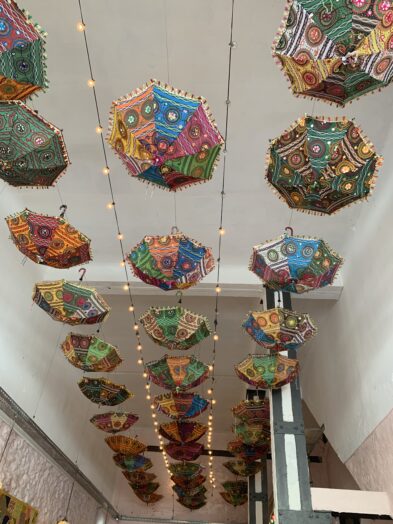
(175, 327)
(70, 303)
(90, 353)
(236, 486)
(246, 452)
(188, 470)
(195, 502)
(184, 452)
(149, 498)
(125, 445)
(188, 483)
(139, 478)
(50, 241)
(145, 489)
(235, 499)
(102, 391)
(279, 329)
(33, 152)
(243, 469)
(267, 371)
(171, 262)
(295, 264)
(180, 405)
(336, 51)
(114, 422)
(177, 373)
(181, 493)
(165, 137)
(132, 463)
(253, 411)
(182, 432)
(321, 166)
(254, 434)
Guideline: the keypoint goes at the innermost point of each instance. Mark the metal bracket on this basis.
(294, 428)
(304, 517)
(258, 497)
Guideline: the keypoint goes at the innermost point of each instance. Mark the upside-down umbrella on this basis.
(194, 502)
(139, 478)
(253, 411)
(279, 329)
(236, 486)
(171, 262)
(188, 470)
(70, 303)
(132, 463)
(188, 483)
(182, 432)
(248, 453)
(320, 166)
(148, 498)
(336, 51)
(235, 499)
(184, 452)
(243, 469)
(295, 264)
(145, 489)
(125, 445)
(165, 137)
(32, 152)
(267, 371)
(177, 373)
(175, 327)
(180, 492)
(180, 405)
(102, 391)
(47, 240)
(254, 434)
(114, 422)
(90, 353)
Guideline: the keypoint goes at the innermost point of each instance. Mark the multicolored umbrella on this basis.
(195, 502)
(180, 405)
(336, 51)
(90, 353)
(184, 452)
(246, 452)
(33, 152)
(182, 432)
(295, 264)
(114, 422)
(145, 489)
(177, 373)
(243, 469)
(235, 499)
(175, 327)
(253, 411)
(171, 262)
(165, 137)
(188, 483)
(267, 371)
(132, 463)
(50, 241)
(321, 166)
(125, 445)
(279, 329)
(104, 392)
(148, 498)
(70, 303)
(139, 478)
(181, 493)
(236, 486)
(188, 470)
(254, 434)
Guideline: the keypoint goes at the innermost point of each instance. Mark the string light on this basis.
(215, 337)
(106, 170)
(221, 231)
(122, 263)
(80, 27)
(139, 348)
(110, 205)
(130, 308)
(91, 82)
(99, 130)
(120, 236)
(218, 289)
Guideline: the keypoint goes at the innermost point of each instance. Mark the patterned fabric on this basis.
(188, 470)
(236, 486)
(295, 264)
(148, 498)
(184, 452)
(248, 453)
(125, 445)
(104, 392)
(243, 469)
(336, 51)
(145, 489)
(50, 241)
(33, 152)
(139, 478)
(22, 53)
(181, 493)
(254, 434)
(70, 303)
(320, 166)
(114, 422)
(175, 327)
(235, 499)
(177, 373)
(267, 371)
(188, 483)
(90, 353)
(180, 405)
(132, 463)
(279, 329)
(171, 262)
(253, 411)
(165, 137)
(182, 432)
(13, 510)
(195, 502)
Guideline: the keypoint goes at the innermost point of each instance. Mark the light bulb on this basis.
(221, 231)
(215, 336)
(155, 423)
(120, 236)
(218, 289)
(209, 423)
(156, 430)
(125, 287)
(209, 391)
(210, 367)
(139, 347)
(91, 82)
(153, 415)
(131, 309)
(214, 485)
(99, 130)
(147, 386)
(135, 327)
(210, 452)
(80, 27)
(151, 406)
(122, 263)
(145, 375)
(148, 397)
(214, 401)
(140, 361)
(109, 205)
(210, 417)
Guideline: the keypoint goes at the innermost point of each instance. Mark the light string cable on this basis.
(221, 232)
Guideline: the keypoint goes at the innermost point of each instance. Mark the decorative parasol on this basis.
(239, 487)
(177, 373)
(336, 51)
(180, 405)
(184, 452)
(175, 327)
(254, 434)
(321, 166)
(102, 391)
(165, 137)
(195, 502)
(188, 483)
(33, 152)
(125, 445)
(188, 470)
(50, 241)
(182, 432)
(145, 489)
(253, 411)
(90, 353)
(181, 493)
(70, 303)
(139, 478)
(267, 371)
(114, 422)
(235, 499)
(246, 452)
(295, 264)
(243, 469)
(132, 463)
(171, 262)
(149, 498)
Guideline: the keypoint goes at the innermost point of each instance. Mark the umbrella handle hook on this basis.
(83, 271)
(174, 230)
(179, 295)
(63, 209)
(290, 229)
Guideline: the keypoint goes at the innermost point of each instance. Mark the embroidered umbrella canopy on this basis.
(195, 502)
(165, 137)
(248, 453)
(171, 262)
(180, 405)
(125, 445)
(188, 470)
(253, 434)
(236, 486)
(114, 422)
(267, 371)
(243, 469)
(180, 492)
(336, 51)
(279, 329)
(235, 499)
(33, 152)
(102, 391)
(132, 463)
(139, 478)
(182, 432)
(184, 452)
(295, 264)
(175, 327)
(253, 411)
(90, 353)
(70, 303)
(145, 489)
(148, 498)
(177, 373)
(188, 483)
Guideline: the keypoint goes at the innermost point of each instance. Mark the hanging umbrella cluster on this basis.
(236, 492)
